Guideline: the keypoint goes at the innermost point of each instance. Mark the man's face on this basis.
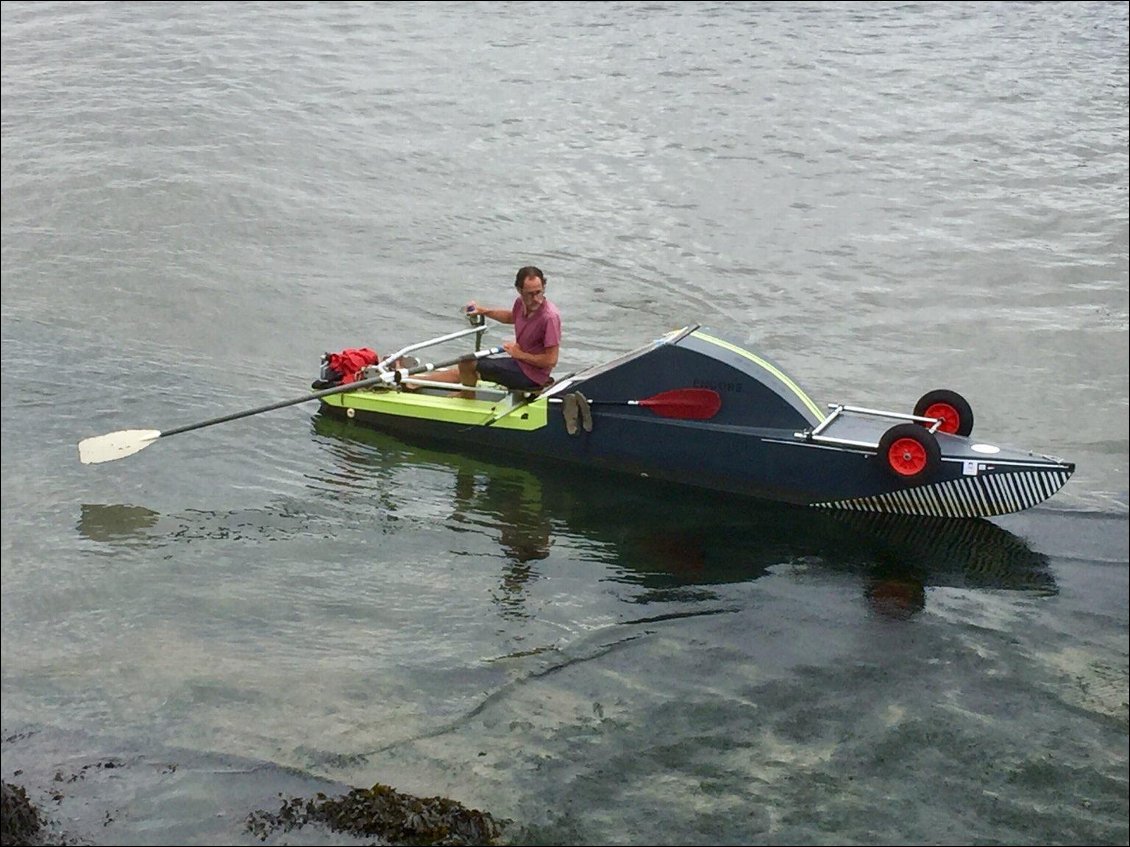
(533, 293)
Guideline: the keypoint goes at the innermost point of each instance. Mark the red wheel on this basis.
(906, 457)
(954, 411)
(909, 452)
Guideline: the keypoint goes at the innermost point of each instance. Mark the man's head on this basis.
(528, 272)
(530, 283)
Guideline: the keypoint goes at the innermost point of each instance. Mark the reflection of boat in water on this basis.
(660, 537)
(116, 522)
(646, 533)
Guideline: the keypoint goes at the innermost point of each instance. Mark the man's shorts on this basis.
(505, 370)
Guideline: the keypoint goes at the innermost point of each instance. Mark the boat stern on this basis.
(973, 480)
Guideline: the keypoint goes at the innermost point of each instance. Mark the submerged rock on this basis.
(19, 819)
(379, 812)
(382, 811)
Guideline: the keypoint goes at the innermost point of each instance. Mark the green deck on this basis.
(454, 410)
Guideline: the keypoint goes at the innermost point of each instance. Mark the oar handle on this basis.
(476, 321)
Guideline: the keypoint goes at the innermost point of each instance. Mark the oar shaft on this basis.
(126, 442)
(684, 403)
(326, 392)
(432, 342)
(337, 389)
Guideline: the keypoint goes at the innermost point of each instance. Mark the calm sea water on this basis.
(198, 200)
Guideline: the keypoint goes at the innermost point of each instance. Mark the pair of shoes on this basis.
(571, 411)
(586, 412)
(577, 406)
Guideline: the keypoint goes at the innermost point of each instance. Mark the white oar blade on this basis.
(115, 445)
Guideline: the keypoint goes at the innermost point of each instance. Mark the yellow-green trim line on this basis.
(454, 410)
(796, 389)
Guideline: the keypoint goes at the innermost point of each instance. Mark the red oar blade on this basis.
(696, 404)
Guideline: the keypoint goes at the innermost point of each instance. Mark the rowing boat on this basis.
(696, 408)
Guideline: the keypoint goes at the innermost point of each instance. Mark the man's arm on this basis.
(547, 360)
(503, 316)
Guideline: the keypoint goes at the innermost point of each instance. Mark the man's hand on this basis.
(503, 316)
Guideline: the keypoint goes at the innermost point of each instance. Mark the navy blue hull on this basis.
(766, 439)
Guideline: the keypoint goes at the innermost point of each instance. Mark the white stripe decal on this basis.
(968, 497)
(937, 498)
(979, 502)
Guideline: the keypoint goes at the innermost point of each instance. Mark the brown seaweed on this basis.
(19, 820)
(382, 811)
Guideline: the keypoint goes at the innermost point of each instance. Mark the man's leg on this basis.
(448, 375)
(468, 375)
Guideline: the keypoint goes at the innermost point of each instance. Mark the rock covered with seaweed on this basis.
(19, 818)
(381, 811)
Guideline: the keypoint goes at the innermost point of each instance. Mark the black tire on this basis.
(909, 453)
(951, 407)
